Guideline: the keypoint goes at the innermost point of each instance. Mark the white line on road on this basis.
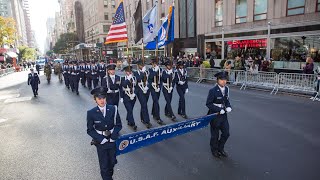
(15, 100)
(9, 96)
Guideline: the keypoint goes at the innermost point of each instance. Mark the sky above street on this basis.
(40, 10)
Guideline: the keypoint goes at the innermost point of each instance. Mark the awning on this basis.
(12, 54)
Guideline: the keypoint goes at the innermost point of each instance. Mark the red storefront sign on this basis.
(252, 43)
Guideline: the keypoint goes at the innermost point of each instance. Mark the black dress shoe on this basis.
(168, 115)
(159, 121)
(223, 153)
(184, 116)
(216, 154)
(173, 118)
(77, 93)
(148, 125)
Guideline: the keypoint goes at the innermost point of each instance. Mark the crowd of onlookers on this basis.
(5, 65)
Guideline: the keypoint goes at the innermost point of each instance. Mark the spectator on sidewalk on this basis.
(318, 80)
(238, 63)
(308, 69)
(212, 63)
(265, 65)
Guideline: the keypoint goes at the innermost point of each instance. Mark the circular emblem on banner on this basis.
(124, 144)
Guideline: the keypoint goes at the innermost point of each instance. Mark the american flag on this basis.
(118, 29)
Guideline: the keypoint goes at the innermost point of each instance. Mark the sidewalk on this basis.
(13, 79)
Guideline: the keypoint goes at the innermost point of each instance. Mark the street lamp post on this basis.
(268, 41)
(92, 41)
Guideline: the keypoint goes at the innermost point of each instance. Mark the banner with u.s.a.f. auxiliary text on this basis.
(130, 142)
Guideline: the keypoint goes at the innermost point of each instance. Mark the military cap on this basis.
(180, 63)
(100, 92)
(223, 75)
(140, 62)
(111, 66)
(127, 68)
(168, 63)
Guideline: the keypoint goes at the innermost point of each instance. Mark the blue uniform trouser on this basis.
(143, 99)
(95, 80)
(83, 78)
(129, 104)
(34, 89)
(219, 123)
(89, 80)
(107, 159)
(182, 102)
(168, 98)
(113, 99)
(155, 105)
(75, 83)
(66, 80)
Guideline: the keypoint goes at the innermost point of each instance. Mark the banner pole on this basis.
(128, 54)
(142, 54)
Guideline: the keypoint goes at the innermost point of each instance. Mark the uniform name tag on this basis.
(97, 121)
(219, 97)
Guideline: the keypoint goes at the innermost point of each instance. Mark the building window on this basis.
(241, 11)
(260, 9)
(183, 22)
(318, 6)
(219, 12)
(113, 4)
(106, 17)
(105, 3)
(295, 7)
(163, 1)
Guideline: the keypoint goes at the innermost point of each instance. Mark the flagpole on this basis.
(128, 54)
(142, 54)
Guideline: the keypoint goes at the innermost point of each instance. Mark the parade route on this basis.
(272, 137)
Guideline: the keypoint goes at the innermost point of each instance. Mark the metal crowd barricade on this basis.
(296, 82)
(261, 79)
(193, 72)
(237, 77)
(207, 74)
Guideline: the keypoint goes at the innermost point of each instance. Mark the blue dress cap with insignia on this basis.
(180, 63)
(127, 68)
(140, 62)
(111, 66)
(100, 92)
(223, 75)
(168, 63)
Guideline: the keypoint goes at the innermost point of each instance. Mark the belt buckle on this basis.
(106, 133)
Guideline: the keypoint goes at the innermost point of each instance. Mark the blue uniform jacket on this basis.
(215, 97)
(107, 82)
(154, 76)
(33, 80)
(165, 77)
(125, 83)
(141, 77)
(180, 77)
(96, 121)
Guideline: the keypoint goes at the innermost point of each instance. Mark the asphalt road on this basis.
(272, 137)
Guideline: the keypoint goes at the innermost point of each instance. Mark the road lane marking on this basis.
(15, 100)
(3, 120)
(9, 96)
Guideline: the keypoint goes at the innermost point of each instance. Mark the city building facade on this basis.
(285, 30)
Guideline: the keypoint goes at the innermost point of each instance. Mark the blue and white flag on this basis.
(166, 32)
(150, 24)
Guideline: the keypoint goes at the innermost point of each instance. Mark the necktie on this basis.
(102, 111)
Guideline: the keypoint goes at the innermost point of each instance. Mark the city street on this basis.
(272, 137)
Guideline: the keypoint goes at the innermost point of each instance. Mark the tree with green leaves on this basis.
(7, 31)
(26, 53)
(65, 43)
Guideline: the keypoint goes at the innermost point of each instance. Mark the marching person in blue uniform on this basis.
(142, 91)
(65, 72)
(88, 74)
(75, 77)
(155, 87)
(95, 75)
(112, 82)
(218, 102)
(34, 81)
(82, 69)
(102, 70)
(104, 125)
(182, 87)
(128, 97)
(168, 82)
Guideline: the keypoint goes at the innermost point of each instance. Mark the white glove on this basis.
(187, 90)
(146, 88)
(181, 82)
(228, 109)
(222, 111)
(104, 141)
(111, 140)
(121, 100)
